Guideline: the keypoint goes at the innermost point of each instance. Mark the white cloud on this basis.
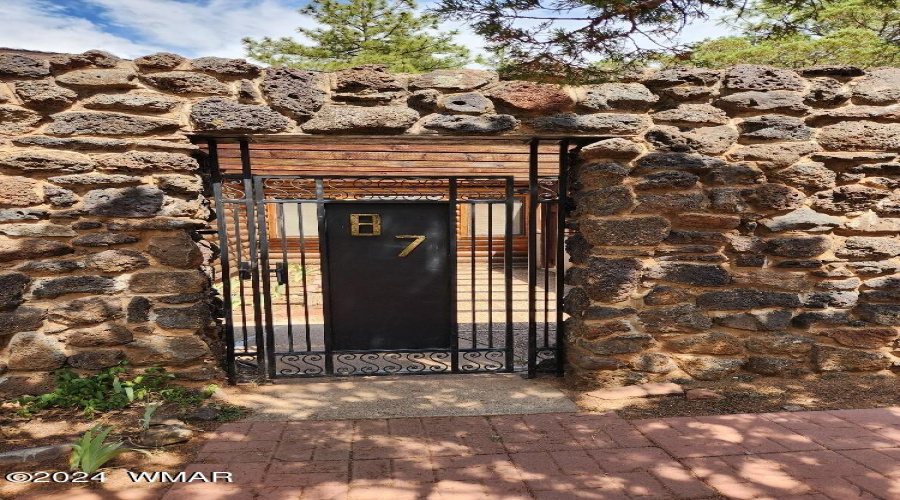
(40, 25)
(132, 28)
(213, 28)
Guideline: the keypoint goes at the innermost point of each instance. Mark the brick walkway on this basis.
(839, 455)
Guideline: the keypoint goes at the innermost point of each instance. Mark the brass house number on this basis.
(370, 225)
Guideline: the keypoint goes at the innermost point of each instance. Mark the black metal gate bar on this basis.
(533, 204)
(247, 178)
(453, 195)
(562, 205)
(508, 275)
(212, 162)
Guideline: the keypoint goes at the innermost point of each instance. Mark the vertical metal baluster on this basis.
(323, 265)
(545, 242)
(212, 165)
(279, 213)
(235, 213)
(472, 207)
(508, 275)
(266, 277)
(452, 257)
(252, 195)
(532, 254)
(561, 204)
(490, 271)
(305, 282)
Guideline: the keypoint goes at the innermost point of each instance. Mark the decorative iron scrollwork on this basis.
(300, 364)
(482, 361)
(233, 189)
(386, 363)
(548, 188)
(289, 188)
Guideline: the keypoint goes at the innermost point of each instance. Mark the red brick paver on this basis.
(836, 455)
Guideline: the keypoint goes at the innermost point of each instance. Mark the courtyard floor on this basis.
(838, 455)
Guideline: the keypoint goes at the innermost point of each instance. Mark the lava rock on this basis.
(102, 123)
(184, 82)
(839, 359)
(632, 231)
(33, 351)
(86, 311)
(44, 95)
(679, 318)
(746, 298)
(292, 91)
(463, 124)
(141, 201)
(223, 115)
(373, 119)
(168, 282)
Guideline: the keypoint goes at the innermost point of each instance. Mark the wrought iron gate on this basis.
(281, 291)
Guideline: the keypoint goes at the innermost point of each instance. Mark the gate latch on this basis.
(245, 271)
(280, 272)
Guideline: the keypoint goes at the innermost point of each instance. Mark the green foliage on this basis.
(862, 33)
(100, 392)
(184, 398)
(90, 452)
(149, 410)
(228, 413)
(563, 40)
(355, 32)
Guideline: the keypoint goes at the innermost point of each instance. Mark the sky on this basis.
(192, 28)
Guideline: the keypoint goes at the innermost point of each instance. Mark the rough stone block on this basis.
(141, 201)
(33, 351)
(292, 91)
(597, 123)
(705, 140)
(145, 103)
(634, 231)
(22, 319)
(51, 288)
(167, 350)
(707, 343)
(15, 120)
(222, 115)
(464, 124)
(759, 77)
(860, 136)
(839, 359)
(618, 344)
(746, 298)
(99, 79)
(604, 201)
(618, 96)
(168, 282)
(110, 334)
(183, 82)
(709, 368)
(777, 319)
(459, 80)
(22, 66)
(103, 123)
(44, 95)
(689, 274)
(679, 318)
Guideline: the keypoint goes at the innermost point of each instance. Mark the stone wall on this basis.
(733, 220)
(753, 226)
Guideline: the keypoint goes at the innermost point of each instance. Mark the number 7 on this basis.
(417, 240)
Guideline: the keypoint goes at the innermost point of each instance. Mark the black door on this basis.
(389, 275)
